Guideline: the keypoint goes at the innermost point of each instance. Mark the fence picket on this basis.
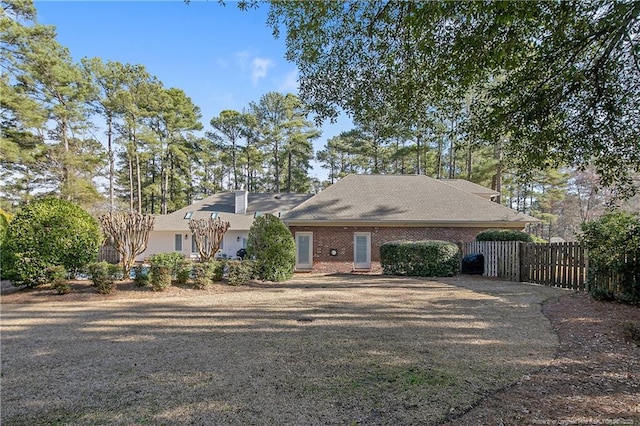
(552, 264)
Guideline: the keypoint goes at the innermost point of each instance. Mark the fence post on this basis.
(519, 261)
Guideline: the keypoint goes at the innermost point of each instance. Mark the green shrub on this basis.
(57, 276)
(160, 277)
(61, 287)
(420, 258)
(174, 261)
(536, 239)
(103, 276)
(217, 269)
(239, 272)
(205, 273)
(272, 246)
(201, 275)
(141, 276)
(184, 273)
(251, 266)
(48, 232)
(603, 295)
(5, 218)
(613, 244)
(504, 235)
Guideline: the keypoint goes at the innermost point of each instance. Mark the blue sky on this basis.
(221, 57)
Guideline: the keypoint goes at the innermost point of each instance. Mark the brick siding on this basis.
(340, 238)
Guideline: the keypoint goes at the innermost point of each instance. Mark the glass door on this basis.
(362, 250)
(304, 250)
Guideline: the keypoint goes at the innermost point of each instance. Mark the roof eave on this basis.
(415, 223)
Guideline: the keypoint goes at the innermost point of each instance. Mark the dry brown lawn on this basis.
(345, 350)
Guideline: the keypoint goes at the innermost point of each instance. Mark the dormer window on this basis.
(188, 215)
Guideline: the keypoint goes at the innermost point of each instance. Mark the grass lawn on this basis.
(316, 350)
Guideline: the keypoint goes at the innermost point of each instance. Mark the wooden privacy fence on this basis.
(553, 264)
(501, 258)
(108, 254)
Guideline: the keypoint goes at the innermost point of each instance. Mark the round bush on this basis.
(504, 235)
(57, 276)
(273, 247)
(160, 277)
(239, 272)
(420, 258)
(49, 232)
(103, 276)
(141, 275)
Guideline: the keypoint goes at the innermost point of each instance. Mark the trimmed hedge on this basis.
(174, 261)
(205, 273)
(504, 235)
(240, 272)
(420, 258)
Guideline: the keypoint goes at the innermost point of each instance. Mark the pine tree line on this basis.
(152, 154)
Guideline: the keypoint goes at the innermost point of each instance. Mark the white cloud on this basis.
(259, 69)
(290, 83)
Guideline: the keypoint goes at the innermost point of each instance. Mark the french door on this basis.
(304, 250)
(362, 250)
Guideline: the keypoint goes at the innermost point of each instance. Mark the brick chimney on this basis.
(242, 201)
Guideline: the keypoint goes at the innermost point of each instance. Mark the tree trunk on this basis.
(112, 170)
(469, 152)
(418, 154)
(452, 161)
(276, 159)
(289, 171)
(130, 182)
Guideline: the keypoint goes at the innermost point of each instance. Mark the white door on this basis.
(362, 250)
(304, 250)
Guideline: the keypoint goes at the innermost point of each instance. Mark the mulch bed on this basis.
(594, 379)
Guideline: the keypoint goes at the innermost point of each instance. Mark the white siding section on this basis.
(164, 242)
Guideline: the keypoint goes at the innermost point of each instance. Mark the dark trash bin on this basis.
(473, 264)
(242, 253)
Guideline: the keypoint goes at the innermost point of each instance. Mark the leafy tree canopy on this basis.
(558, 81)
(48, 232)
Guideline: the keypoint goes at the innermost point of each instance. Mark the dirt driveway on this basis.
(315, 350)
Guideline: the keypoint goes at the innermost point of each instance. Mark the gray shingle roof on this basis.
(471, 187)
(224, 204)
(401, 199)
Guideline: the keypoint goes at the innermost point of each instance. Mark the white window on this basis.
(362, 250)
(304, 250)
(178, 242)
